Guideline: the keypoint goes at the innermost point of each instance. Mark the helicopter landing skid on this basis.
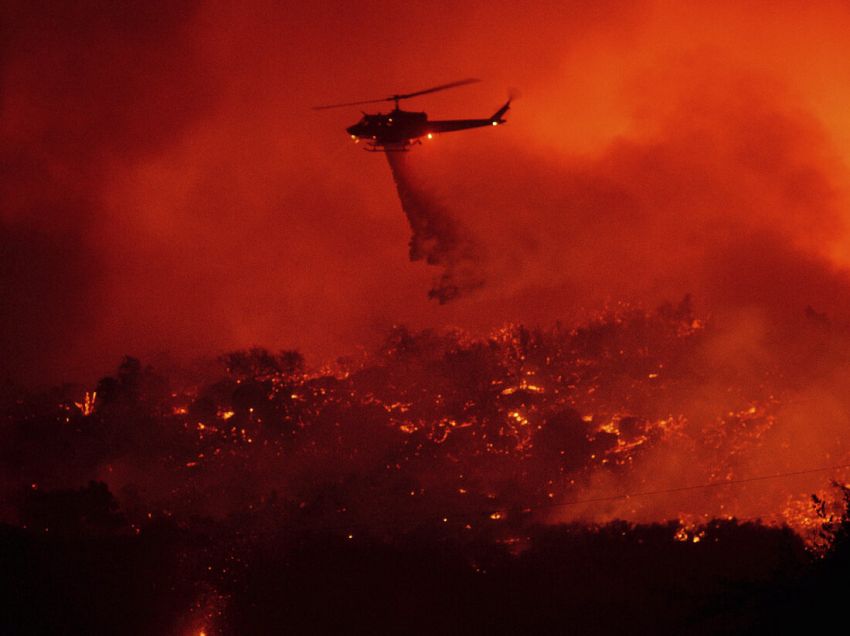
(387, 148)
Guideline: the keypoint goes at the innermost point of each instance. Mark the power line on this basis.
(646, 493)
(711, 484)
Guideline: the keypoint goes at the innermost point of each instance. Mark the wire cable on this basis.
(711, 484)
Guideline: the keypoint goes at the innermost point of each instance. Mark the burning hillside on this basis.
(465, 447)
(470, 434)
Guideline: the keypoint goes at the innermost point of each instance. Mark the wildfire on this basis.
(524, 385)
(87, 405)
(592, 412)
(612, 420)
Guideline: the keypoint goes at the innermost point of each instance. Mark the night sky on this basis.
(167, 190)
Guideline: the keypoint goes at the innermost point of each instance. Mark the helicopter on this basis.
(399, 129)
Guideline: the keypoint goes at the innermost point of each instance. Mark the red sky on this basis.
(166, 187)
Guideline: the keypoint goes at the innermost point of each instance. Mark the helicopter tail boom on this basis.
(462, 124)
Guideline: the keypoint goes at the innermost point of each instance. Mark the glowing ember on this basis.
(435, 434)
(87, 405)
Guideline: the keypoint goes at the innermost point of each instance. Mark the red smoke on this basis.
(167, 189)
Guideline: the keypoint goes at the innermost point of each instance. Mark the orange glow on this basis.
(647, 128)
(87, 405)
(661, 149)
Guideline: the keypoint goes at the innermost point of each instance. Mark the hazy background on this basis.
(166, 188)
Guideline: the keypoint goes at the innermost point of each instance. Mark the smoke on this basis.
(438, 237)
(87, 90)
(732, 199)
(167, 188)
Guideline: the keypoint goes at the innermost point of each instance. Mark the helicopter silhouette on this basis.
(399, 129)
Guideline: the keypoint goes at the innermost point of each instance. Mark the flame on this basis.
(87, 405)
(594, 423)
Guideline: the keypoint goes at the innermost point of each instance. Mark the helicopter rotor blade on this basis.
(441, 87)
(366, 101)
(395, 98)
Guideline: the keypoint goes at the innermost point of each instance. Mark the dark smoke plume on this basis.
(438, 238)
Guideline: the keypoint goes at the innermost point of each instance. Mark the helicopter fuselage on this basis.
(398, 129)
